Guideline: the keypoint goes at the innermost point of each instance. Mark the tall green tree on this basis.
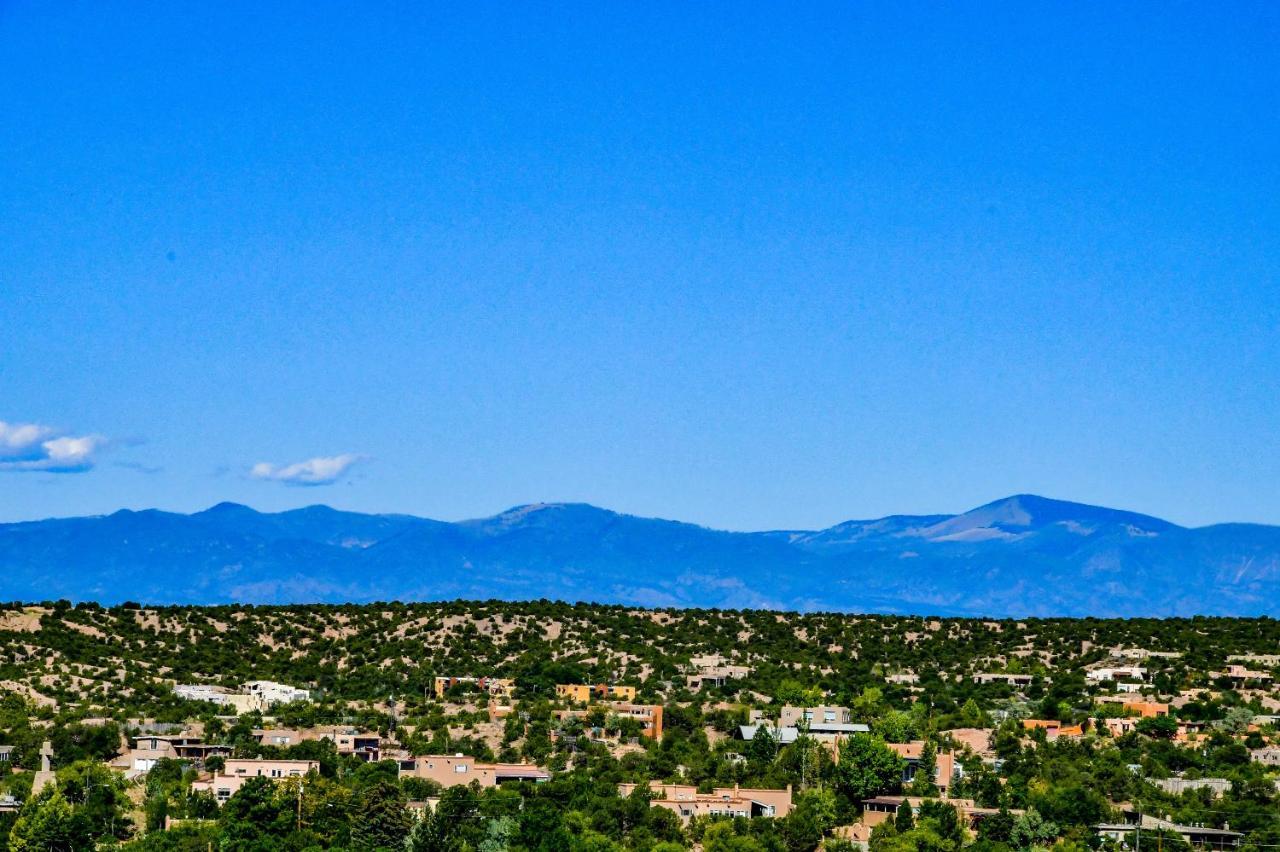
(47, 823)
(866, 768)
(255, 818)
(381, 819)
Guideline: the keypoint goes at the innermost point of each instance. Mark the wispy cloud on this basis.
(321, 470)
(139, 467)
(28, 447)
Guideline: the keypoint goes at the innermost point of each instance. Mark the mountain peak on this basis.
(315, 509)
(226, 507)
(542, 514)
(1020, 514)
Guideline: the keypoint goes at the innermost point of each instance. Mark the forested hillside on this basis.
(120, 655)
(83, 677)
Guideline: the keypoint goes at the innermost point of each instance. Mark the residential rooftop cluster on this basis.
(630, 729)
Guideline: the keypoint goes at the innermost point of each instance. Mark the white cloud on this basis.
(35, 447)
(16, 439)
(321, 470)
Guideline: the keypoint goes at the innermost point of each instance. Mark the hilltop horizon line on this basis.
(1022, 499)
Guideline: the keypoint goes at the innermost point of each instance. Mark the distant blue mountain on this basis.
(1023, 555)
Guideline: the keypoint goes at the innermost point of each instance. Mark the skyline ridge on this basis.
(1047, 501)
(1020, 555)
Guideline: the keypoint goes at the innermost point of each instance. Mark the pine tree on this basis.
(904, 820)
(381, 819)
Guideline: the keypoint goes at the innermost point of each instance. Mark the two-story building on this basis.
(1107, 674)
(145, 750)
(713, 670)
(460, 769)
(945, 768)
(224, 784)
(686, 802)
(648, 715)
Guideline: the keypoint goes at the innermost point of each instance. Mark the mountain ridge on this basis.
(1017, 556)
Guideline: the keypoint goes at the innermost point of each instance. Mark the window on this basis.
(828, 715)
(460, 768)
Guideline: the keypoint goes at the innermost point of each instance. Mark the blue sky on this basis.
(731, 266)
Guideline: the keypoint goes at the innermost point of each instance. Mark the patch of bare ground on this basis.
(22, 621)
(38, 698)
(147, 618)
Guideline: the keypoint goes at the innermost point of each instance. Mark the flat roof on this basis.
(1180, 829)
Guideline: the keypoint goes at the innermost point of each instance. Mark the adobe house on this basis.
(686, 802)
(237, 771)
(453, 770)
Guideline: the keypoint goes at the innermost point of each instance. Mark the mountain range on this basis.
(1020, 556)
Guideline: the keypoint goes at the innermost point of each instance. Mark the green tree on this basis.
(943, 818)
(381, 819)
(99, 798)
(896, 726)
(441, 829)
(724, 837)
(254, 819)
(185, 837)
(972, 716)
(797, 694)
(997, 828)
(1030, 829)
(813, 816)
(867, 767)
(498, 834)
(762, 749)
(48, 824)
(1158, 727)
(922, 784)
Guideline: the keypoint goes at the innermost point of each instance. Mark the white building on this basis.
(1116, 673)
(270, 692)
(255, 695)
(201, 692)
